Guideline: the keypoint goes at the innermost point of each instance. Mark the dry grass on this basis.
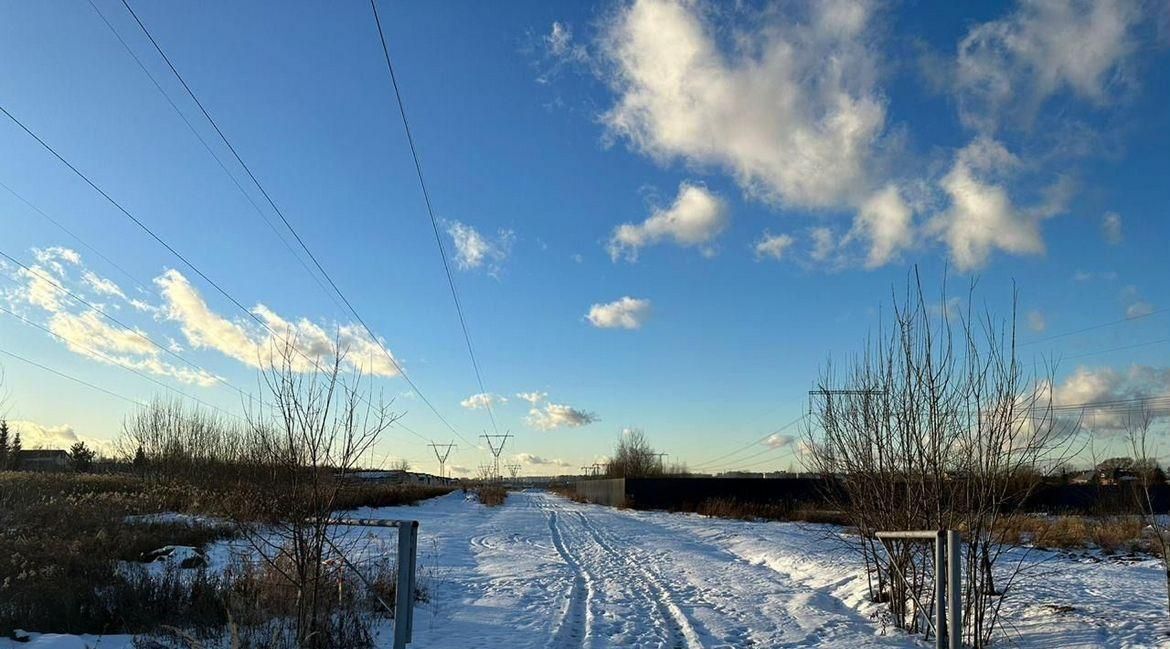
(1110, 534)
(748, 511)
(491, 495)
(63, 534)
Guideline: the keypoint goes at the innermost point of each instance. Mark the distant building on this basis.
(397, 476)
(43, 460)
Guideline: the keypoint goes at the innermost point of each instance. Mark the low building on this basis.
(42, 460)
(399, 477)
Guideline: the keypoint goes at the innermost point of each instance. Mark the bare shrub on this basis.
(491, 494)
(633, 457)
(935, 425)
(314, 429)
(1144, 452)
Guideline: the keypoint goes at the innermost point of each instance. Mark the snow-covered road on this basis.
(545, 572)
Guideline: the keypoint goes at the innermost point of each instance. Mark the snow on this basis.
(542, 571)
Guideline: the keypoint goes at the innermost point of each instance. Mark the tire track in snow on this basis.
(573, 626)
(680, 627)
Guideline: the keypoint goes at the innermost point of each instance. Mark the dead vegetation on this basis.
(69, 550)
(69, 559)
(936, 424)
(490, 494)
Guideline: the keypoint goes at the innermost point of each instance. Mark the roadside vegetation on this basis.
(75, 543)
(490, 494)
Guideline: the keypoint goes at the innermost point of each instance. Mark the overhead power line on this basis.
(431, 212)
(71, 378)
(102, 312)
(751, 444)
(207, 147)
(296, 235)
(195, 269)
(1091, 328)
(113, 361)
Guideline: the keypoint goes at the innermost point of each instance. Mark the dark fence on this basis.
(794, 493)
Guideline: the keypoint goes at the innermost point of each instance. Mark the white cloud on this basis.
(84, 330)
(1111, 228)
(89, 335)
(312, 344)
(1105, 384)
(34, 435)
(1135, 306)
(482, 400)
(694, 219)
(536, 460)
(824, 243)
(1139, 309)
(887, 222)
(773, 245)
(1007, 68)
(981, 217)
(791, 110)
(626, 313)
(474, 250)
(532, 397)
(1036, 320)
(557, 415)
(54, 255)
(102, 285)
(559, 41)
(776, 440)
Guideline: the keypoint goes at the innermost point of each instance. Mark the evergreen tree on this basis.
(3, 444)
(14, 453)
(81, 457)
(140, 460)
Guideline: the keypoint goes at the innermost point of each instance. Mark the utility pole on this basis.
(442, 455)
(496, 450)
(661, 464)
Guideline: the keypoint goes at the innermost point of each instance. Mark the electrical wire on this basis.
(296, 235)
(431, 212)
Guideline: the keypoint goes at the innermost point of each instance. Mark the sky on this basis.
(658, 215)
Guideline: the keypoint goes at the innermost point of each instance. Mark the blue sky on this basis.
(754, 180)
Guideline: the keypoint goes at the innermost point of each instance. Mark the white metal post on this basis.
(954, 596)
(941, 628)
(404, 595)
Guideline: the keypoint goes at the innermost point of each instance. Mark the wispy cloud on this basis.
(482, 400)
(1111, 228)
(474, 250)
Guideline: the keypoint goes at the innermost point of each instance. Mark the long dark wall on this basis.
(687, 493)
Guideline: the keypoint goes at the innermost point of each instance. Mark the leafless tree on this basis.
(314, 430)
(177, 441)
(934, 425)
(402, 464)
(1137, 432)
(633, 457)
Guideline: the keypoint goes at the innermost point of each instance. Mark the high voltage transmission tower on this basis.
(496, 450)
(513, 470)
(441, 455)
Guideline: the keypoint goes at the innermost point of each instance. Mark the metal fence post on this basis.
(954, 596)
(941, 628)
(404, 594)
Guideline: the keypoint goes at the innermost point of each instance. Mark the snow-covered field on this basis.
(543, 571)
